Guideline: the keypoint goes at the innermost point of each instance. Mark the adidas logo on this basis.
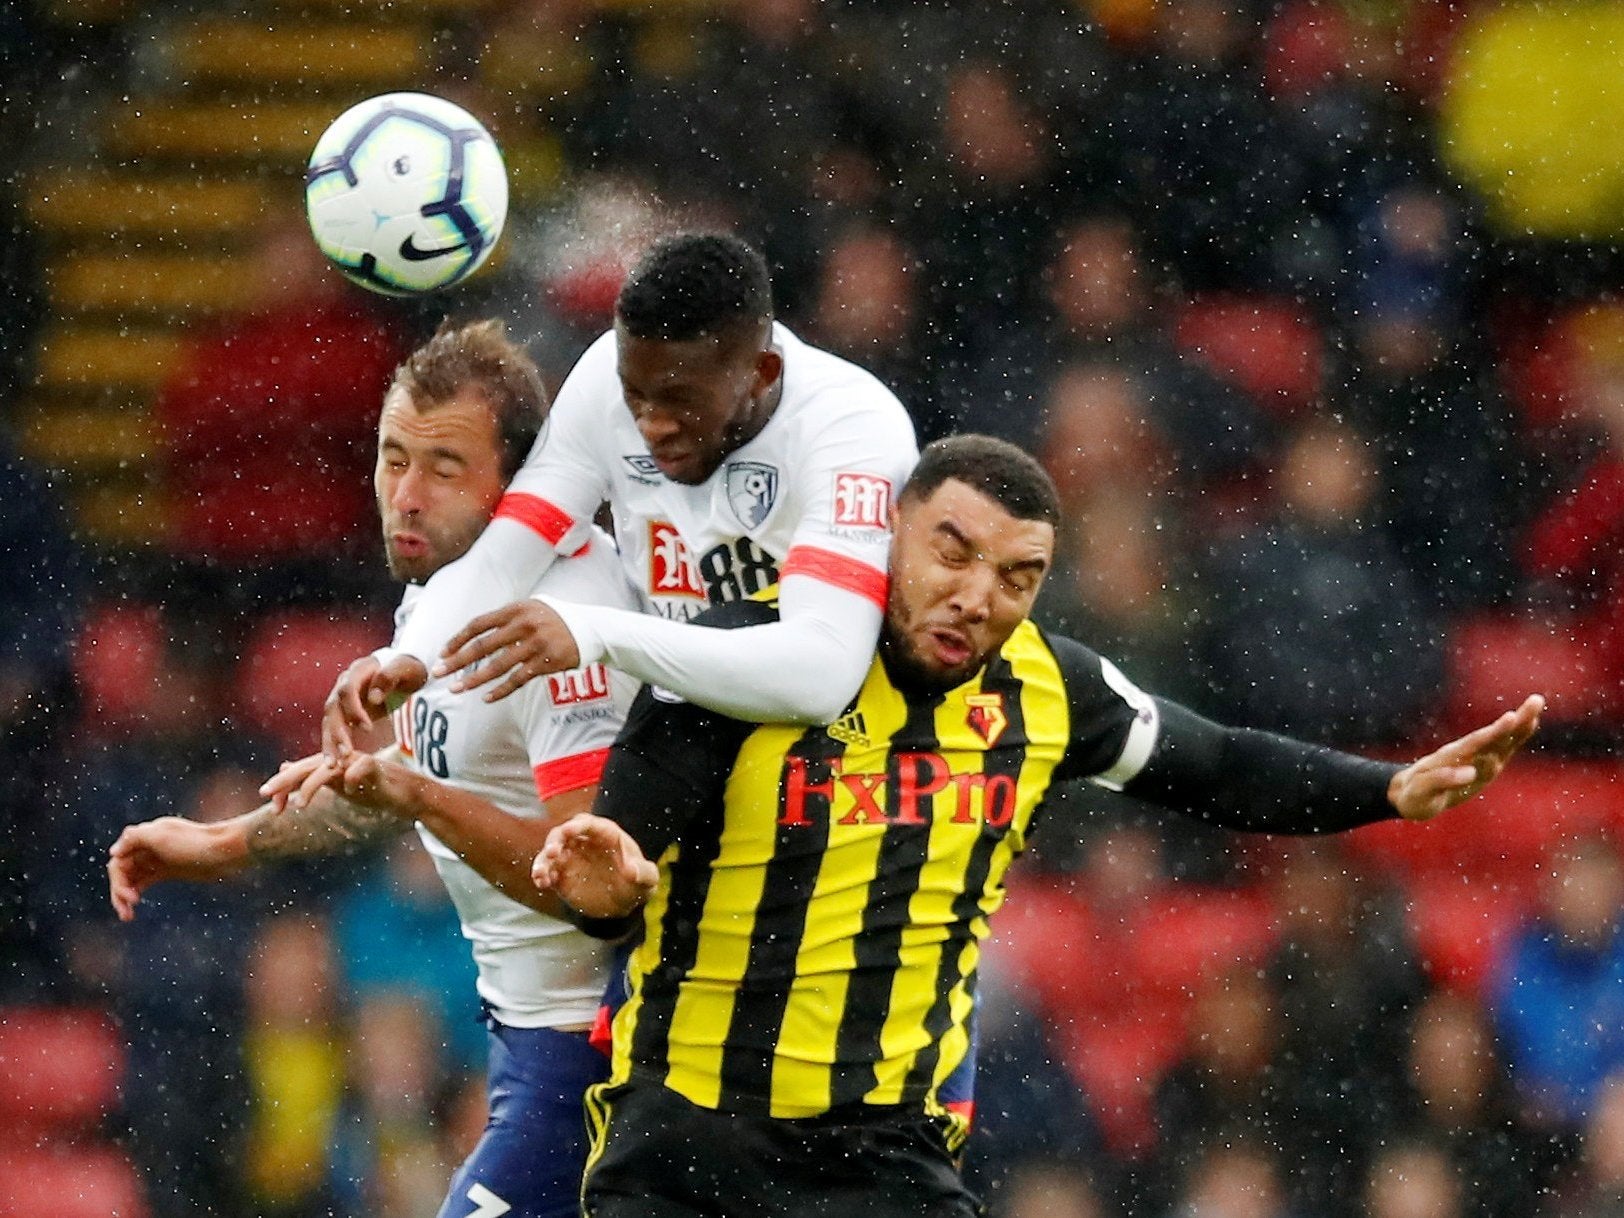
(850, 729)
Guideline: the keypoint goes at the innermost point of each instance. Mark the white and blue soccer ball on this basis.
(406, 193)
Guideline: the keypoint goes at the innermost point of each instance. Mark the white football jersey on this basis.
(551, 736)
(811, 494)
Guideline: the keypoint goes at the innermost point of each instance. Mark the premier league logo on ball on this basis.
(751, 489)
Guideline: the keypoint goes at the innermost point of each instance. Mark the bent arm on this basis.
(803, 668)
(502, 566)
(498, 845)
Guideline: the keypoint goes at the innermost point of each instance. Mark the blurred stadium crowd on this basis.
(1334, 394)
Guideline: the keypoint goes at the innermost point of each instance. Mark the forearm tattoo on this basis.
(329, 824)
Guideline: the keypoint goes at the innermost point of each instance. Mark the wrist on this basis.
(581, 621)
(228, 839)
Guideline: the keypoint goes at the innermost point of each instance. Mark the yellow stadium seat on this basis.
(82, 357)
(87, 204)
(309, 56)
(167, 284)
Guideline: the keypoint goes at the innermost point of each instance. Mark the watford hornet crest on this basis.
(752, 487)
(986, 716)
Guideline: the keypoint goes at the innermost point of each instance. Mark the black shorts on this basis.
(657, 1155)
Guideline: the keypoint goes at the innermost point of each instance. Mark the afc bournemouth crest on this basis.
(751, 489)
(986, 717)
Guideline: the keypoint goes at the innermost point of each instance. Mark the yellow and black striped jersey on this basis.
(813, 941)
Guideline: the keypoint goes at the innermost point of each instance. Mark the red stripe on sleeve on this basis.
(839, 570)
(550, 522)
(570, 773)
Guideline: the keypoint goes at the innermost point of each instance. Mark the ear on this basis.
(769, 367)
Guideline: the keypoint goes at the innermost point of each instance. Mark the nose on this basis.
(972, 594)
(656, 426)
(407, 496)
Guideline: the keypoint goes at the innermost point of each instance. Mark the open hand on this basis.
(1460, 769)
(363, 694)
(517, 642)
(595, 867)
(169, 848)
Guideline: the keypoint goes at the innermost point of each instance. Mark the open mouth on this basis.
(950, 647)
(409, 545)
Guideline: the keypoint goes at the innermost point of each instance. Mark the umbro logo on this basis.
(643, 468)
(850, 729)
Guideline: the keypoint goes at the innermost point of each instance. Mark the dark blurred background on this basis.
(1310, 306)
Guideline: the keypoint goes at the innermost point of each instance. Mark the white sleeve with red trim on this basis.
(805, 667)
(547, 510)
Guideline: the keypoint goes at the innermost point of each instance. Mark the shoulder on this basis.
(593, 575)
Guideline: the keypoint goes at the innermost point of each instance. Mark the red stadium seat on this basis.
(70, 1182)
(1265, 347)
(1502, 836)
(1496, 660)
(1461, 930)
(1196, 934)
(118, 658)
(289, 666)
(1119, 1063)
(60, 1070)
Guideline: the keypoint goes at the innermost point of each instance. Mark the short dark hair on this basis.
(695, 285)
(479, 354)
(1009, 476)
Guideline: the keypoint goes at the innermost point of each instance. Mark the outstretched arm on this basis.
(496, 844)
(174, 848)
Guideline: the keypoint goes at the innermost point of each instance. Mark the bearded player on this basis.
(458, 420)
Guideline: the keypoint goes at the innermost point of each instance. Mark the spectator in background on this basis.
(865, 308)
(268, 430)
(1459, 1099)
(982, 218)
(1193, 112)
(1413, 1179)
(1575, 548)
(295, 1049)
(1442, 428)
(1031, 1120)
(1235, 1178)
(1316, 627)
(1346, 978)
(1049, 1190)
(397, 936)
(1118, 551)
(1558, 993)
(1231, 1085)
(1597, 1191)
(390, 1162)
(1101, 304)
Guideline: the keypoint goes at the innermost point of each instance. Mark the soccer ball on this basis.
(406, 193)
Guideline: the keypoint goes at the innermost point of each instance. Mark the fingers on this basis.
(483, 637)
(517, 678)
(122, 889)
(289, 778)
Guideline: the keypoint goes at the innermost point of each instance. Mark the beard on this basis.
(911, 673)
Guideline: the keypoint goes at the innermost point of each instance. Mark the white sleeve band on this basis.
(503, 565)
(803, 668)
